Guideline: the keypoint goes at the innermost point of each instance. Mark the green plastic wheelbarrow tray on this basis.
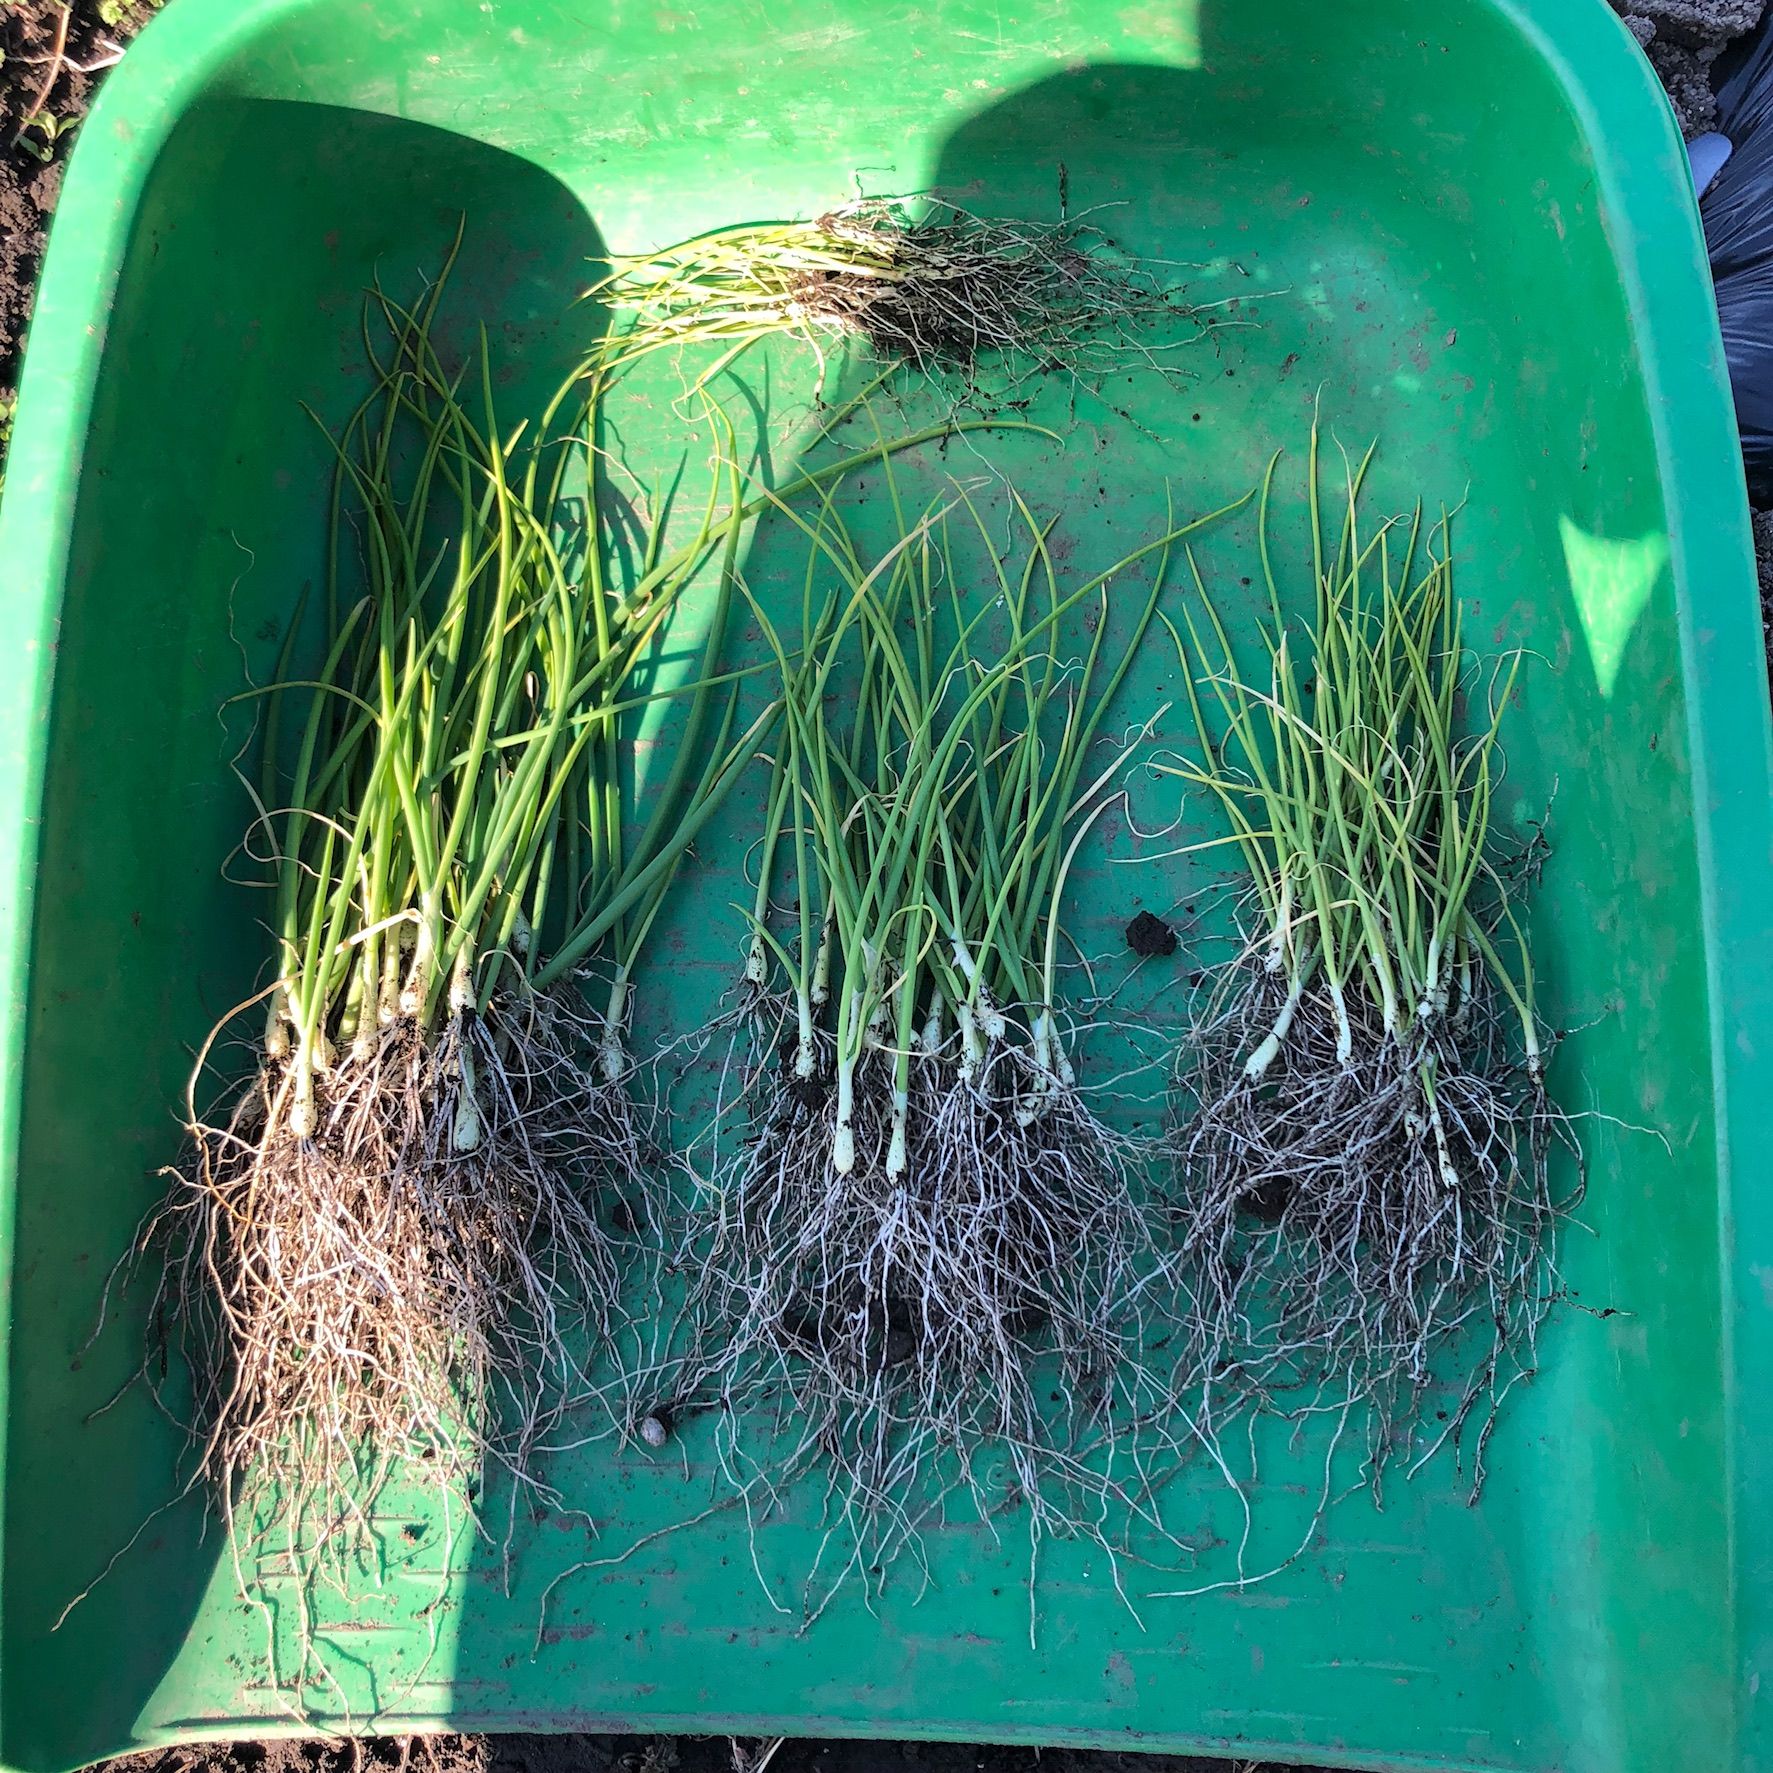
(1472, 232)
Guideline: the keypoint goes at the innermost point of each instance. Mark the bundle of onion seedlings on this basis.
(395, 1242)
(932, 285)
(927, 1264)
(1365, 1175)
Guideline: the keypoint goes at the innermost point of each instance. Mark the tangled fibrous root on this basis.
(421, 1283)
(944, 288)
(971, 1323)
(1376, 1224)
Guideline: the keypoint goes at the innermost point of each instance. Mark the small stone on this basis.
(656, 1429)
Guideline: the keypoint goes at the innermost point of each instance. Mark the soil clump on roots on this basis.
(52, 56)
(930, 285)
(941, 290)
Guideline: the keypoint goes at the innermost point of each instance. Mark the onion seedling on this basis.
(1365, 1171)
(936, 287)
(930, 1251)
(389, 1245)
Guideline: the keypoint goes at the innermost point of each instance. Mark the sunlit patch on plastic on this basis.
(1611, 583)
(1171, 31)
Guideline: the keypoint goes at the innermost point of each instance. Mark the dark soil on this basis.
(1268, 1200)
(809, 1094)
(1148, 936)
(656, 1754)
(53, 56)
(402, 1754)
(1764, 562)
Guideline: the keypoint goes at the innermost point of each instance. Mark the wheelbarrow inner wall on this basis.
(1403, 203)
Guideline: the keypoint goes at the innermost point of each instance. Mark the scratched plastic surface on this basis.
(1466, 229)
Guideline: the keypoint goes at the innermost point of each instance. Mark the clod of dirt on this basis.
(1150, 936)
(810, 1093)
(1682, 39)
(1267, 1201)
(1686, 78)
(1699, 24)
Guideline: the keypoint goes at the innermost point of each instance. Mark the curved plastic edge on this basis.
(1652, 222)
(177, 58)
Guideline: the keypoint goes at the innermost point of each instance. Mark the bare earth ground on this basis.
(1682, 39)
(51, 56)
(658, 1754)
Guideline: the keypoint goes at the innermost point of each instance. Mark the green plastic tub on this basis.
(1470, 230)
